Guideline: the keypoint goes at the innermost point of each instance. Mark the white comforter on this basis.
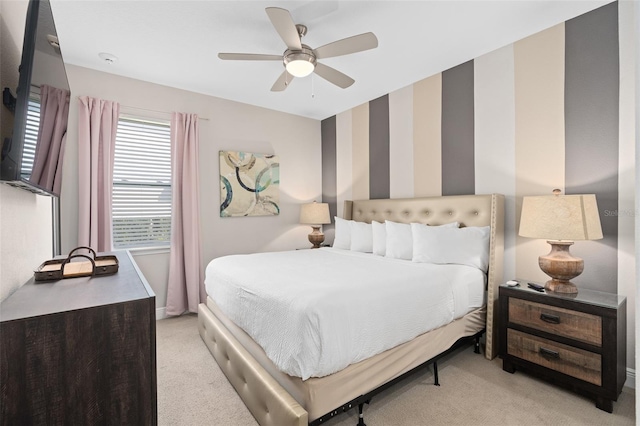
(314, 312)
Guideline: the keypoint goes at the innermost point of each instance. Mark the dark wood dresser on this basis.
(577, 341)
(80, 351)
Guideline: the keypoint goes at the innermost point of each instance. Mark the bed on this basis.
(277, 398)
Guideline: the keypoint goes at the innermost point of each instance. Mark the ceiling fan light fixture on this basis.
(300, 63)
(300, 68)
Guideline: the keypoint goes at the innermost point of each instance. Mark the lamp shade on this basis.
(315, 213)
(560, 217)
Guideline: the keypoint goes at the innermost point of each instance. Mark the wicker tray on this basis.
(94, 265)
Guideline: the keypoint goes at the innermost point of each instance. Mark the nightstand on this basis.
(577, 341)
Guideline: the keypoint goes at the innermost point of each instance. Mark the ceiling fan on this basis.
(299, 59)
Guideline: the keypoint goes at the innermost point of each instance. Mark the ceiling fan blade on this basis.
(248, 57)
(334, 76)
(282, 82)
(283, 23)
(348, 45)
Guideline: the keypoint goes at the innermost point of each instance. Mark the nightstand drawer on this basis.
(578, 363)
(558, 321)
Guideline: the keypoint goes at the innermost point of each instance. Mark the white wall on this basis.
(627, 240)
(25, 236)
(229, 126)
(636, 36)
(25, 218)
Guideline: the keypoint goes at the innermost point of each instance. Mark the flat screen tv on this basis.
(32, 152)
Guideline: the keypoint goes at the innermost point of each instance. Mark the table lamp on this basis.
(561, 219)
(315, 214)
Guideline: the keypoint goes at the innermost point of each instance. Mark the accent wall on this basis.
(554, 110)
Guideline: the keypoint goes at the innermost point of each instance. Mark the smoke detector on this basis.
(108, 57)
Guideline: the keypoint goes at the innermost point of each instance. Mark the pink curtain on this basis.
(186, 286)
(52, 134)
(97, 126)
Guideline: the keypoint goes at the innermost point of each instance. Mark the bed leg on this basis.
(360, 415)
(436, 382)
(476, 345)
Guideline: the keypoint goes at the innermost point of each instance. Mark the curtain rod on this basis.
(151, 110)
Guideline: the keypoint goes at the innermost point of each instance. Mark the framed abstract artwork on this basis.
(249, 184)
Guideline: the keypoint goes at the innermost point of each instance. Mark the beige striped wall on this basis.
(401, 155)
(427, 137)
(520, 146)
(494, 83)
(519, 131)
(539, 131)
(360, 152)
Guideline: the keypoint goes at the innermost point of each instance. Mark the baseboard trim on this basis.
(631, 378)
(161, 313)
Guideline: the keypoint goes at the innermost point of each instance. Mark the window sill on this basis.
(147, 251)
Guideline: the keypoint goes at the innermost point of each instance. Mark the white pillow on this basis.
(399, 240)
(342, 239)
(379, 238)
(361, 237)
(449, 245)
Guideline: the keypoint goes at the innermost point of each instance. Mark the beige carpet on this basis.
(192, 390)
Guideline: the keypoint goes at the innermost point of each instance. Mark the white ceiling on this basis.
(175, 43)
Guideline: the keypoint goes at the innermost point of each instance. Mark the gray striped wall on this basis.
(329, 191)
(379, 182)
(591, 130)
(457, 130)
(565, 115)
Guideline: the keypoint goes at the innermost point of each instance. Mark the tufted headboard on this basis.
(468, 210)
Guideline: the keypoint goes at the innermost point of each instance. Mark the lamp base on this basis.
(561, 266)
(556, 286)
(316, 237)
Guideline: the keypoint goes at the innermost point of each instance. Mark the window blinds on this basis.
(141, 205)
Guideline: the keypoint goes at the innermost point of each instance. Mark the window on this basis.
(30, 137)
(141, 206)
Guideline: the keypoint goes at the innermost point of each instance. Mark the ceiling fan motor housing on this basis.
(305, 54)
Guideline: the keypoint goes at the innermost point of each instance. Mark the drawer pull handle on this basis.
(549, 353)
(553, 319)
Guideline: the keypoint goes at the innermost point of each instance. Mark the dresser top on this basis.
(590, 297)
(49, 297)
